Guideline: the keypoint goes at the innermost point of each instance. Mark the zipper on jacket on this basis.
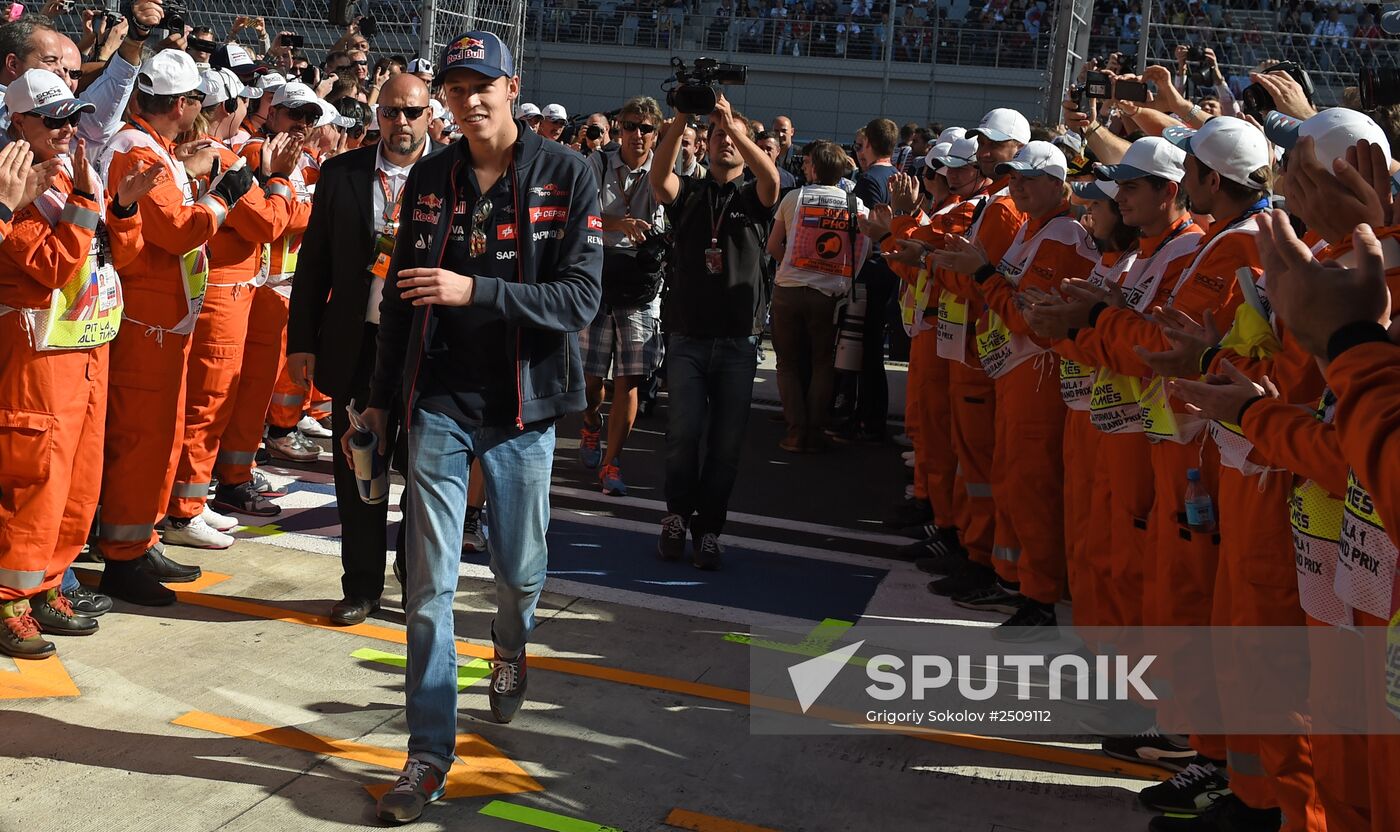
(519, 278)
(428, 312)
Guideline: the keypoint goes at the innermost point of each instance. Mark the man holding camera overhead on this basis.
(626, 334)
(714, 314)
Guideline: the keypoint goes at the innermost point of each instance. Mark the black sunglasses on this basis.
(360, 63)
(640, 126)
(304, 115)
(53, 123)
(392, 113)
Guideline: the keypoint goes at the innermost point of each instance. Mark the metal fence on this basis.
(1332, 62)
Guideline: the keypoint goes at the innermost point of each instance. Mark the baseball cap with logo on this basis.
(438, 110)
(1003, 124)
(1232, 147)
(418, 65)
(330, 115)
(478, 51)
(554, 112)
(41, 91)
(168, 72)
(1096, 191)
(294, 95)
(1333, 132)
(528, 110)
(270, 81)
(235, 57)
(961, 153)
(1148, 156)
(220, 85)
(1037, 159)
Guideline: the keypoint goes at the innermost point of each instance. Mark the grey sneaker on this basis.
(671, 544)
(507, 686)
(709, 552)
(473, 539)
(419, 784)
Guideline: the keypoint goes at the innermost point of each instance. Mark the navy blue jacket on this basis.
(555, 293)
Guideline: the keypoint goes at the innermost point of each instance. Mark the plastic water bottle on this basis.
(1200, 509)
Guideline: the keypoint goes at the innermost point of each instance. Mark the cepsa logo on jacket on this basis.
(505, 231)
(551, 214)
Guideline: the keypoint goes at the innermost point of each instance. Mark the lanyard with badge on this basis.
(384, 243)
(714, 255)
(627, 193)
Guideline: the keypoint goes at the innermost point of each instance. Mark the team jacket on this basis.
(555, 293)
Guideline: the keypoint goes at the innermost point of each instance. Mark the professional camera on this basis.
(1379, 87)
(696, 91)
(1198, 69)
(174, 19)
(593, 132)
(1257, 102)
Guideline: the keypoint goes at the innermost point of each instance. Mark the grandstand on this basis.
(1333, 41)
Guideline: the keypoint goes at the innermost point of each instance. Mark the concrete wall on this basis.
(827, 98)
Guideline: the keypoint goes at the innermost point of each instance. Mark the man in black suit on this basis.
(334, 318)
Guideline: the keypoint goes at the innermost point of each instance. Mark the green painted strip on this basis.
(541, 819)
(817, 642)
(270, 530)
(467, 674)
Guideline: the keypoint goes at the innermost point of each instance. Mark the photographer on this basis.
(626, 334)
(714, 315)
(1199, 65)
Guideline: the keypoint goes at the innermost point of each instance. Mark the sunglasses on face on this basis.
(53, 123)
(360, 63)
(74, 74)
(411, 113)
(640, 126)
(304, 115)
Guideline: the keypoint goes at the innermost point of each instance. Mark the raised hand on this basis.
(137, 183)
(15, 161)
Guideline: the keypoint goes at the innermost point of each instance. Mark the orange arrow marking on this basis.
(485, 769)
(42, 679)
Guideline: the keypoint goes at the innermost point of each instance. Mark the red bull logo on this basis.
(429, 200)
(466, 49)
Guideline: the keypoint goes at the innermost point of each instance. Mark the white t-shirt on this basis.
(819, 239)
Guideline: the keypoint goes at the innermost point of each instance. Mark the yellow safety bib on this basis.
(1076, 384)
(952, 327)
(1367, 556)
(1317, 527)
(1114, 402)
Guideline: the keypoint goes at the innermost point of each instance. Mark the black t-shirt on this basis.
(469, 365)
(728, 305)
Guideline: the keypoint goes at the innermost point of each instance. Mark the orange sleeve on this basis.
(167, 221)
(1293, 437)
(1000, 222)
(1366, 379)
(51, 254)
(124, 236)
(1054, 261)
(259, 217)
(1292, 370)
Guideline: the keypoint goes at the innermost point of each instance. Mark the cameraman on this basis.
(626, 334)
(714, 317)
(1206, 73)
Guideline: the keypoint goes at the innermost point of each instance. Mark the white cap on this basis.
(1333, 131)
(933, 159)
(219, 85)
(951, 134)
(1037, 159)
(41, 91)
(1003, 124)
(168, 72)
(330, 115)
(1096, 190)
(528, 110)
(437, 108)
(554, 112)
(270, 81)
(294, 95)
(1232, 147)
(961, 153)
(418, 65)
(1148, 156)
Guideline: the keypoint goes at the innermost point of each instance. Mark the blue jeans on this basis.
(70, 581)
(517, 470)
(709, 384)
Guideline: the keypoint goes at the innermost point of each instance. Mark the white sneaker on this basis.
(294, 447)
(312, 428)
(197, 534)
(216, 521)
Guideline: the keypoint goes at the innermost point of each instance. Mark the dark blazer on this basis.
(332, 282)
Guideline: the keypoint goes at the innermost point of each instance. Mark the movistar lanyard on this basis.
(717, 216)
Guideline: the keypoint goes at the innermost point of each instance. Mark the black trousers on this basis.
(873, 401)
(363, 528)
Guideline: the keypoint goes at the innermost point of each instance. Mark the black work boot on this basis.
(19, 632)
(55, 616)
(134, 582)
